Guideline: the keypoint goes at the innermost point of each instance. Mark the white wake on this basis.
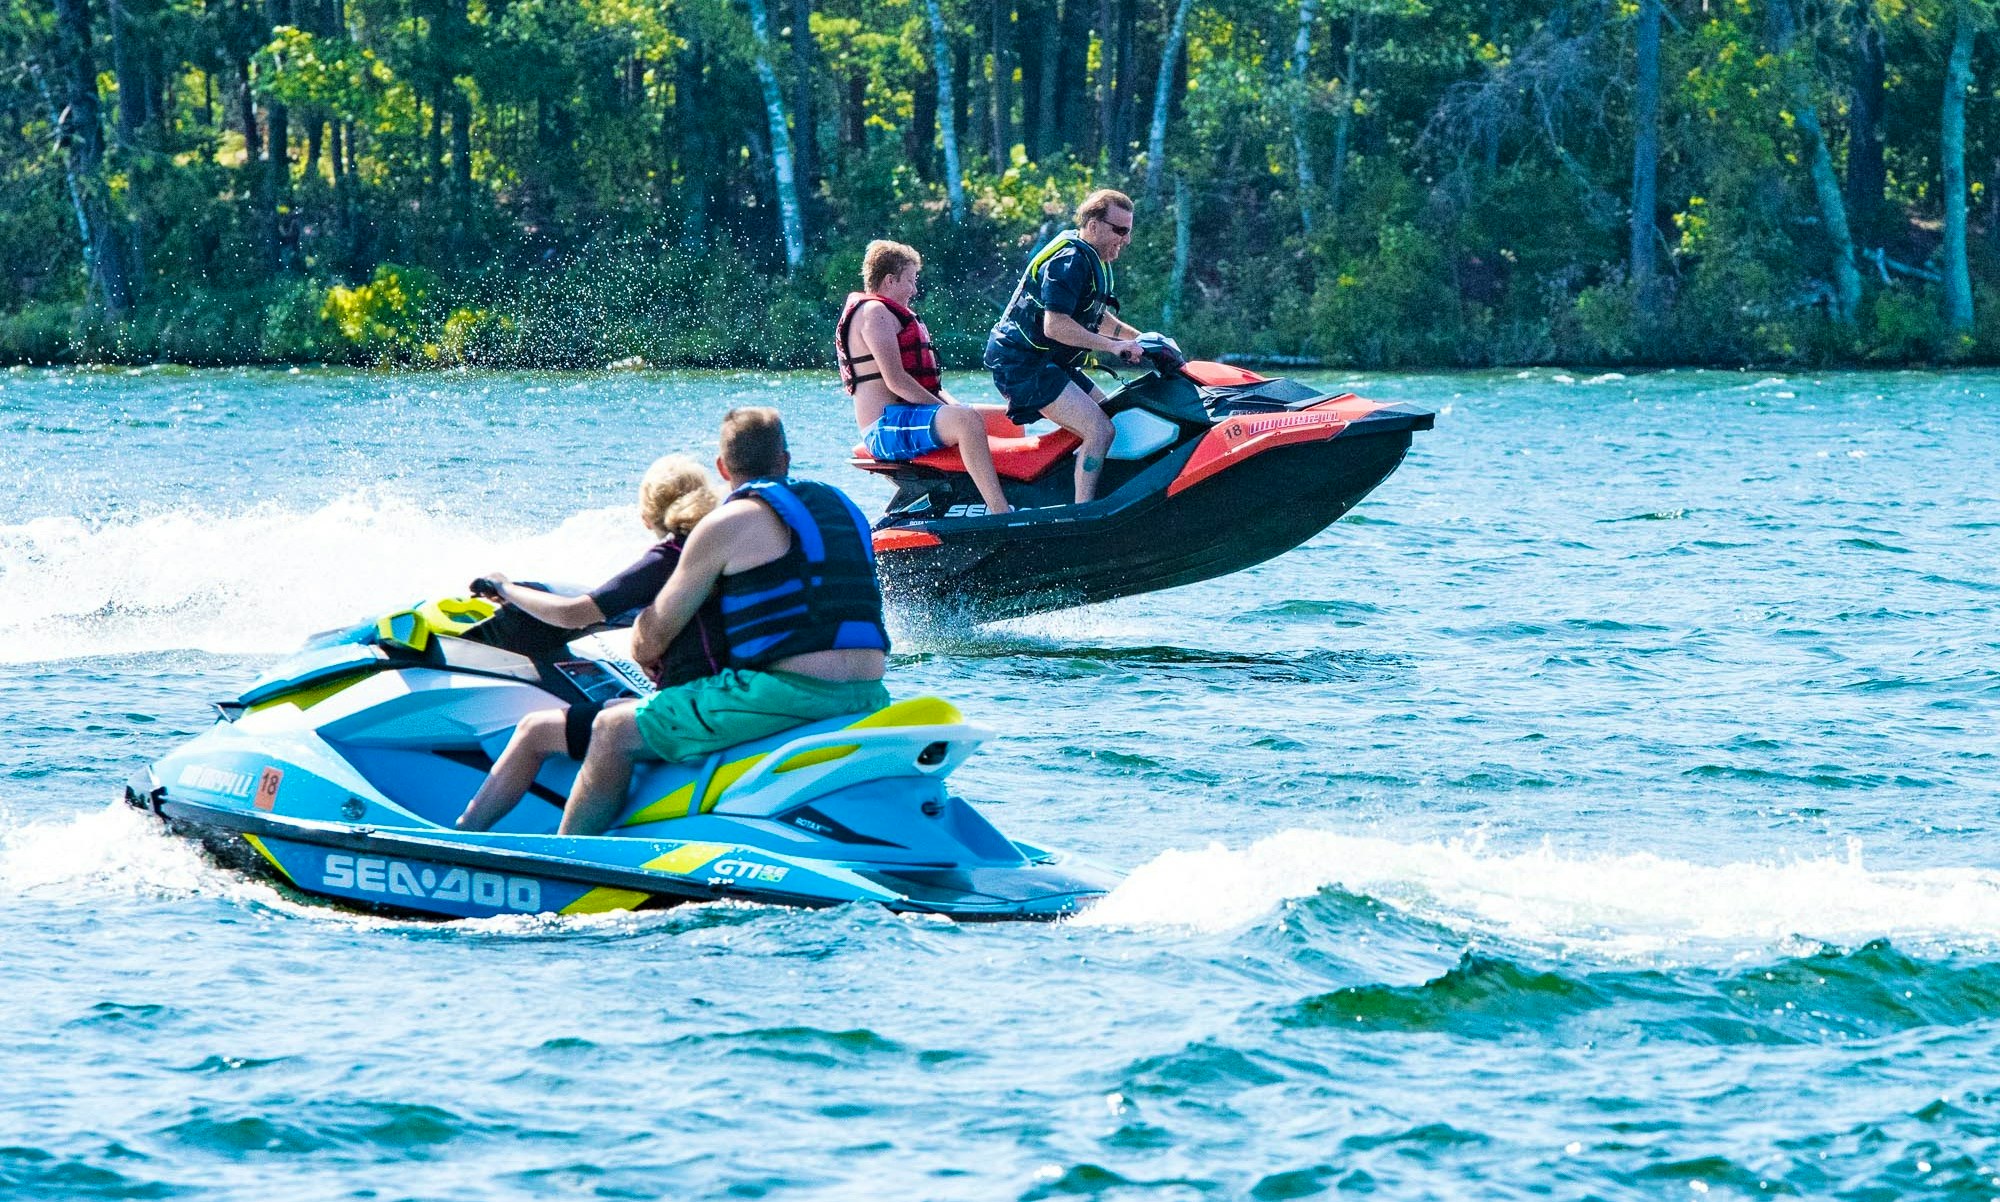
(1620, 905)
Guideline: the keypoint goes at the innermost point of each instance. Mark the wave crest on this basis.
(1619, 905)
(261, 579)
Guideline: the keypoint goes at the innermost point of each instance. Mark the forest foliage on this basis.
(1365, 182)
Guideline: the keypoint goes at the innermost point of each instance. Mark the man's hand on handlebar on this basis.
(1128, 349)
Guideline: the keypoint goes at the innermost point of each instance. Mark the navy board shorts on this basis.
(903, 432)
(1030, 381)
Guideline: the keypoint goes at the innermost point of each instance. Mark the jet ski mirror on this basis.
(1162, 352)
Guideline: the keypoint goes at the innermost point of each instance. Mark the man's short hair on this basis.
(1100, 202)
(753, 443)
(883, 259)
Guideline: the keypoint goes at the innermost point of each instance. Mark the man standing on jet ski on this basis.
(888, 367)
(802, 618)
(1062, 310)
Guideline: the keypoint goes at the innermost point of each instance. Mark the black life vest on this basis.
(912, 339)
(1021, 325)
(820, 595)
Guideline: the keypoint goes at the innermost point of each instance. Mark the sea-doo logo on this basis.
(215, 780)
(744, 870)
(394, 878)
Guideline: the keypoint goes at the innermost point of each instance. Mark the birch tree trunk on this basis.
(954, 178)
(1301, 155)
(1646, 148)
(1177, 280)
(1156, 140)
(1957, 80)
(781, 143)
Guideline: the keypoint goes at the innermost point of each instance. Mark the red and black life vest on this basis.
(912, 339)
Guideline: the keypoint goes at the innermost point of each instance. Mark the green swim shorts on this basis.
(737, 705)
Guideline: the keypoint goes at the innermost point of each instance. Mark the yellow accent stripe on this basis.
(673, 805)
(313, 694)
(819, 755)
(264, 851)
(917, 711)
(605, 900)
(726, 776)
(684, 859)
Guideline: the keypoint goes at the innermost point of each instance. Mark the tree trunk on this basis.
(1867, 175)
(696, 158)
(1027, 53)
(315, 144)
(920, 135)
(461, 166)
(805, 107)
(127, 66)
(434, 155)
(789, 217)
(1002, 93)
(1156, 138)
(1957, 81)
(1107, 95)
(1177, 279)
(1301, 153)
(856, 109)
(1343, 117)
(1826, 186)
(1051, 74)
(1127, 85)
(954, 177)
(80, 130)
(1646, 149)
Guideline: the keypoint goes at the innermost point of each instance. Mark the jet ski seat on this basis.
(1017, 455)
(812, 745)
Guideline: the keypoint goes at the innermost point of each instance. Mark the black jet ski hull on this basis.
(1255, 511)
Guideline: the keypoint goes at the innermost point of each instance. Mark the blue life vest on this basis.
(820, 595)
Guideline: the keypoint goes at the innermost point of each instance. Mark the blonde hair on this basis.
(883, 259)
(675, 495)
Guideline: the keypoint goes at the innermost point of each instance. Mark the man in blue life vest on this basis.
(1062, 310)
(888, 367)
(801, 615)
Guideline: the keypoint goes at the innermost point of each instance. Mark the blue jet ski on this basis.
(341, 771)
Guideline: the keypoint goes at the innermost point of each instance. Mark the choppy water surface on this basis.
(1606, 808)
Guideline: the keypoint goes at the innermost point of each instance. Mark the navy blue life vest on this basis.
(820, 595)
(1021, 325)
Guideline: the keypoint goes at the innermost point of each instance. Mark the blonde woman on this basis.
(675, 495)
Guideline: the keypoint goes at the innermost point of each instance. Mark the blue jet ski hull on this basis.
(340, 773)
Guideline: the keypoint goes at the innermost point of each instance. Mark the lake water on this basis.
(1606, 808)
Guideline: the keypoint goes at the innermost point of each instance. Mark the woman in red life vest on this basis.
(888, 367)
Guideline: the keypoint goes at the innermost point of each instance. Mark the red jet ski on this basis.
(1213, 469)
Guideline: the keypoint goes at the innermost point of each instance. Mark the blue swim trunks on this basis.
(902, 432)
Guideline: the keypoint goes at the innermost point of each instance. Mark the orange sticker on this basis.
(267, 788)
